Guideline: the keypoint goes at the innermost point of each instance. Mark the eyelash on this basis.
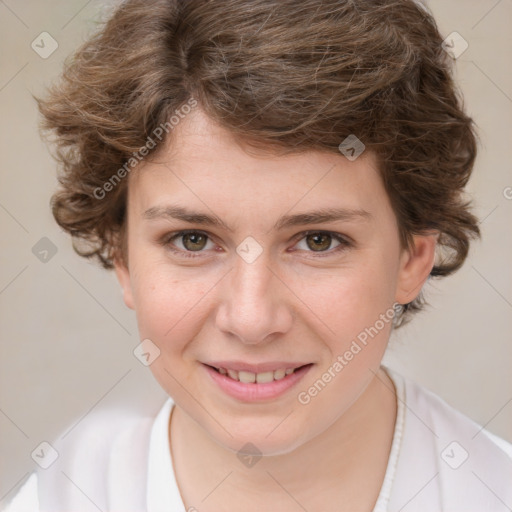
(345, 243)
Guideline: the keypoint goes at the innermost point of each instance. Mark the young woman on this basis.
(273, 182)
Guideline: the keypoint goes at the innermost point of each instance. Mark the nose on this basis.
(255, 304)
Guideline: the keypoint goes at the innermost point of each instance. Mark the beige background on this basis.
(67, 338)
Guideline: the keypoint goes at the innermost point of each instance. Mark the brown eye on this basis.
(194, 241)
(319, 241)
(187, 243)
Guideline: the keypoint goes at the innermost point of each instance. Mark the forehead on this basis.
(202, 162)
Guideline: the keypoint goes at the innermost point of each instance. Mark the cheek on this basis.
(344, 301)
(170, 312)
(357, 312)
(168, 304)
(355, 307)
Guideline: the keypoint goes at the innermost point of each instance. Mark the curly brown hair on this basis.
(293, 75)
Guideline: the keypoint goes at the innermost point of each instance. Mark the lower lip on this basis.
(253, 391)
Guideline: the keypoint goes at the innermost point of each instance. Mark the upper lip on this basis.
(255, 368)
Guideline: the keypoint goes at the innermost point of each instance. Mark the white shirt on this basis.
(440, 461)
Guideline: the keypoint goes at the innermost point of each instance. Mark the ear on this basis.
(123, 276)
(415, 266)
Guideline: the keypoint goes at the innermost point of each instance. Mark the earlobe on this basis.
(123, 276)
(415, 267)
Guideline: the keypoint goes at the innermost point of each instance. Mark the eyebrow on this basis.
(299, 219)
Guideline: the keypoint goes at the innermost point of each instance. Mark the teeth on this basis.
(260, 378)
(279, 374)
(246, 377)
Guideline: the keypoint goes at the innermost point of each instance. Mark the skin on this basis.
(295, 302)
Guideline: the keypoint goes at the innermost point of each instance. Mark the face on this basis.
(234, 264)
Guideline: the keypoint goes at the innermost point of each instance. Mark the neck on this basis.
(345, 464)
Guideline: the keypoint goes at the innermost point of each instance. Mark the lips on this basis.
(250, 387)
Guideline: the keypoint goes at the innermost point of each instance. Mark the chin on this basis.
(256, 440)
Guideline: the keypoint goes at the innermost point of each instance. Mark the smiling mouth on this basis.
(257, 378)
